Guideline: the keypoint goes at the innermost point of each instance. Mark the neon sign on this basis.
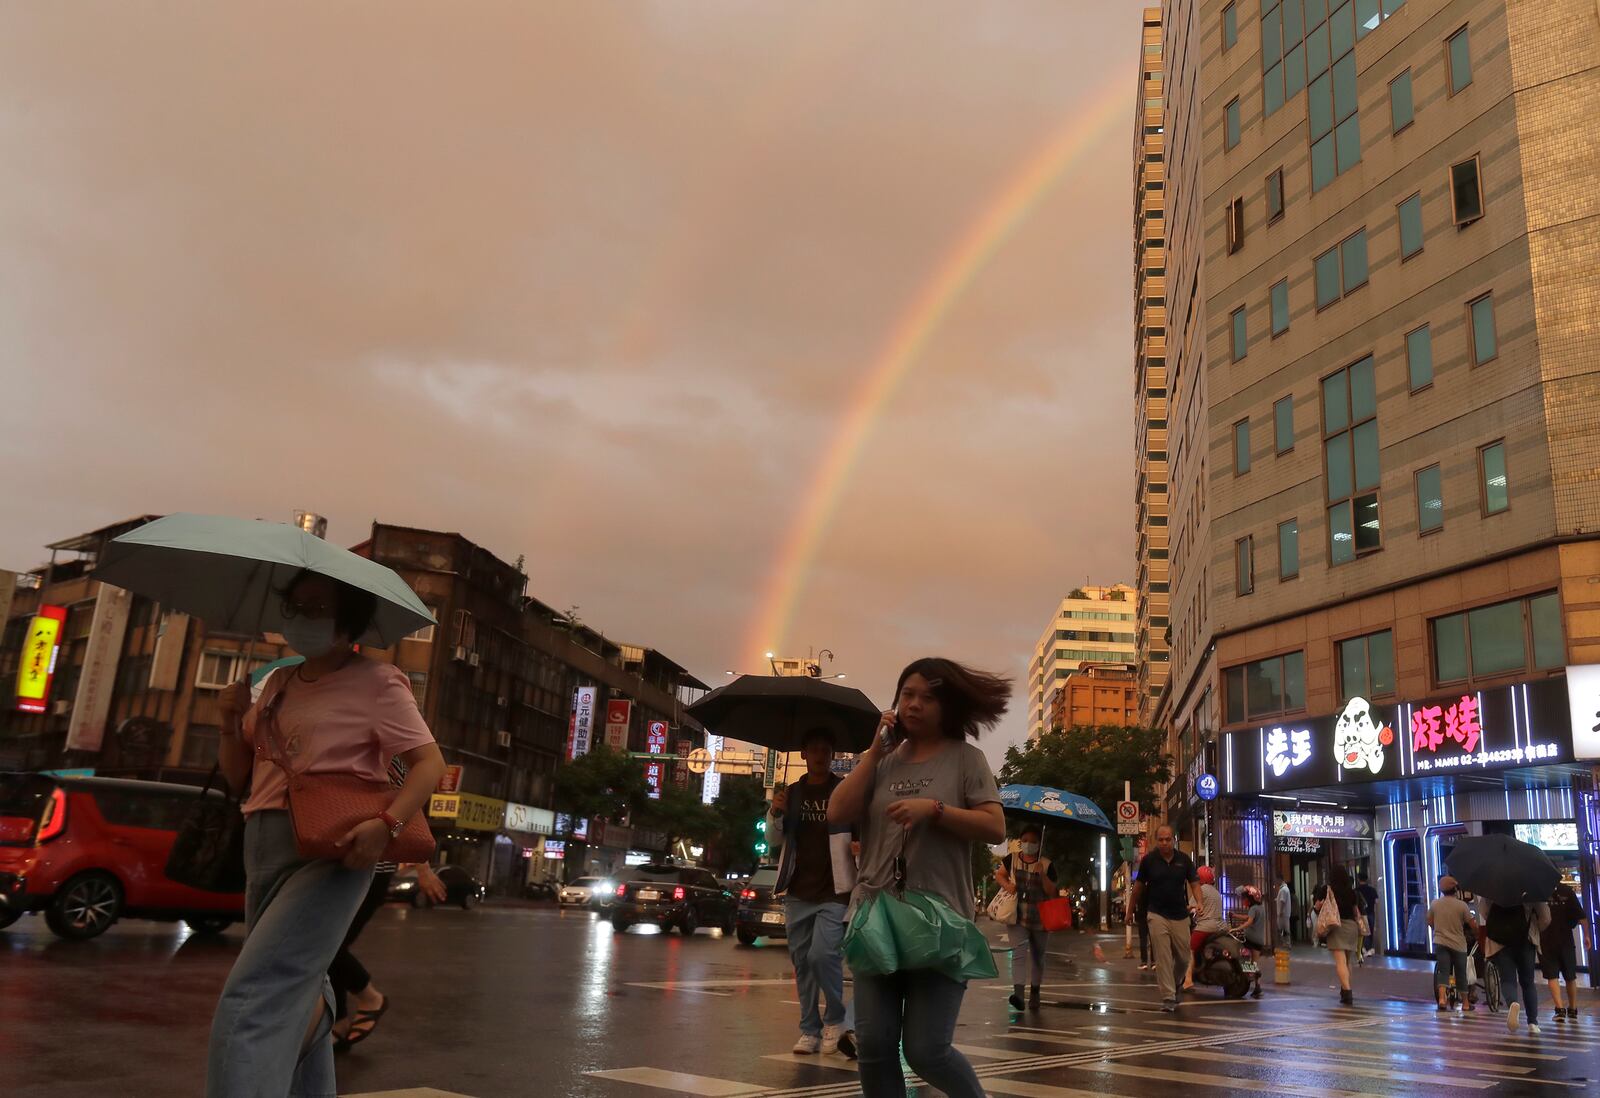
(1288, 749)
(39, 653)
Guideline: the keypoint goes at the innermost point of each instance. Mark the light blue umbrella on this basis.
(230, 573)
(1052, 804)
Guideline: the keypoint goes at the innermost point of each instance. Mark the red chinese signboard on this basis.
(652, 777)
(1431, 725)
(657, 737)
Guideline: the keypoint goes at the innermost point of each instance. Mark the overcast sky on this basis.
(591, 282)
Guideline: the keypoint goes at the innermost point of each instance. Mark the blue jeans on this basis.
(297, 913)
(816, 936)
(1446, 961)
(1516, 966)
(919, 1008)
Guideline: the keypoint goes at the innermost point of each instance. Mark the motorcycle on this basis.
(1226, 962)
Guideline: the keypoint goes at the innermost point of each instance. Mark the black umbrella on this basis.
(1502, 869)
(777, 711)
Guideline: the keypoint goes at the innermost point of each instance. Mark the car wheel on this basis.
(469, 900)
(731, 923)
(620, 925)
(209, 924)
(420, 901)
(746, 938)
(85, 907)
(688, 924)
(8, 916)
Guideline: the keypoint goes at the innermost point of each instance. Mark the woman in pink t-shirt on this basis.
(337, 713)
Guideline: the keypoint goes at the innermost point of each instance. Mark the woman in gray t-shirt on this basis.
(921, 796)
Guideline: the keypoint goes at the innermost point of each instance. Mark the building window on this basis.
(1351, 463)
(1274, 196)
(1335, 127)
(1495, 492)
(1499, 639)
(1410, 226)
(1280, 307)
(1244, 565)
(1231, 137)
(1288, 549)
(1459, 51)
(419, 686)
(1401, 109)
(1235, 225)
(1430, 500)
(1366, 666)
(1230, 27)
(1341, 269)
(1480, 313)
(1419, 357)
(1241, 447)
(1238, 338)
(1466, 192)
(220, 669)
(1283, 424)
(1265, 688)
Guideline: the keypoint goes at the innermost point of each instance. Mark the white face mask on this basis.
(311, 637)
(1030, 850)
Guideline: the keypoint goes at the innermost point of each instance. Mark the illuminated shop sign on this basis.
(38, 666)
(1549, 836)
(1322, 825)
(1528, 724)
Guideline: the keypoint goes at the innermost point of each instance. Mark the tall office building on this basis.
(1092, 625)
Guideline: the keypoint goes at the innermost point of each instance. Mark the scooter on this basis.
(1225, 961)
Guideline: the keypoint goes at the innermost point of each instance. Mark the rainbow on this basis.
(982, 238)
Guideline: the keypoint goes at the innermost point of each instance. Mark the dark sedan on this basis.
(672, 895)
(460, 887)
(760, 912)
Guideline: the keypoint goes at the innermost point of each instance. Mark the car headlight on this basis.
(404, 886)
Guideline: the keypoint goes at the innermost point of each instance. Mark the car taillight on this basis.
(55, 816)
(622, 890)
(748, 894)
(677, 893)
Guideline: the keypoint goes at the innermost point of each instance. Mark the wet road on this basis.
(506, 1001)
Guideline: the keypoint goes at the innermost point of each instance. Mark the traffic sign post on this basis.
(1128, 822)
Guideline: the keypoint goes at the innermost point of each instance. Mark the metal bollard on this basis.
(1280, 965)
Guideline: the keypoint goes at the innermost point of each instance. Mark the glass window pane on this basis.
(1497, 638)
(1366, 455)
(1344, 86)
(1392, 6)
(1294, 680)
(1294, 72)
(1289, 549)
(1337, 452)
(1240, 335)
(1342, 30)
(1274, 194)
(1280, 307)
(1327, 272)
(1419, 357)
(1367, 17)
(1241, 447)
(1341, 536)
(1450, 648)
(1294, 22)
(1401, 109)
(1335, 402)
(1430, 499)
(1283, 424)
(1380, 662)
(1368, 533)
(1549, 648)
(1353, 668)
(1272, 91)
(1411, 226)
(1233, 688)
(1317, 57)
(1354, 253)
(1484, 346)
(1230, 27)
(1232, 136)
(1496, 492)
(1323, 167)
(1460, 61)
(1263, 686)
(1348, 139)
(1316, 12)
(1320, 105)
(1363, 391)
(1244, 567)
(1272, 37)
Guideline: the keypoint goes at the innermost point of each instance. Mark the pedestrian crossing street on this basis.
(1300, 1047)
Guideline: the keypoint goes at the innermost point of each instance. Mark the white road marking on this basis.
(681, 1082)
(414, 1092)
(1037, 1090)
(1334, 1067)
(838, 1063)
(1226, 1082)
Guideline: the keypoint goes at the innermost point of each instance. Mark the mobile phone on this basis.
(891, 735)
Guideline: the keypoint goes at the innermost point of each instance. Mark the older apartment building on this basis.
(1092, 625)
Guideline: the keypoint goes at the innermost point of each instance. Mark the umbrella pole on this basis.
(261, 613)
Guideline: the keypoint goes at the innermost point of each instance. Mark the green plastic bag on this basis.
(915, 931)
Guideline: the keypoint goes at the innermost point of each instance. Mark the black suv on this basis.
(672, 895)
(760, 912)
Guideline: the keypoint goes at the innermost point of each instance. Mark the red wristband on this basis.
(391, 822)
(938, 811)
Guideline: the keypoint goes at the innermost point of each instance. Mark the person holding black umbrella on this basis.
(1513, 945)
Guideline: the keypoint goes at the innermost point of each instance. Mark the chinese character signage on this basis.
(619, 714)
(38, 667)
(1290, 844)
(450, 780)
(656, 737)
(1322, 824)
(653, 772)
(98, 672)
(555, 850)
(583, 700)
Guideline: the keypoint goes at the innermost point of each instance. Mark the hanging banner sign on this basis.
(1322, 825)
(37, 669)
(653, 772)
(583, 702)
(619, 715)
(91, 707)
(656, 733)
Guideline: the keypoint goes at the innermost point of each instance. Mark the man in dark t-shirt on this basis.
(1167, 885)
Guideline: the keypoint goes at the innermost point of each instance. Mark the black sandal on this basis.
(354, 1037)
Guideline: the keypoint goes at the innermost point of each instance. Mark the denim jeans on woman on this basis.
(297, 913)
(1516, 967)
(919, 1008)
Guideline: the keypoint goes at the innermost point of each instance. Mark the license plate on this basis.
(649, 894)
(772, 917)
(1249, 966)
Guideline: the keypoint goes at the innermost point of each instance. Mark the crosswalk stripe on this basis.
(681, 1082)
(983, 1052)
(837, 1063)
(1055, 1039)
(1496, 1034)
(1038, 1090)
(1453, 1049)
(1410, 1054)
(1226, 1082)
(1335, 1067)
(1542, 1082)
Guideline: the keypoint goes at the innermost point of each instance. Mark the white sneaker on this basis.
(1533, 1030)
(807, 1044)
(1512, 1015)
(830, 1039)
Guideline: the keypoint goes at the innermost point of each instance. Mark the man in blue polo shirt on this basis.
(1167, 883)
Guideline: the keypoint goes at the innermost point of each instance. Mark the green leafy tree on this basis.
(603, 783)
(680, 814)
(740, 803)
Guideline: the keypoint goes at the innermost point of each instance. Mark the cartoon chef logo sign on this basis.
(1359, 740)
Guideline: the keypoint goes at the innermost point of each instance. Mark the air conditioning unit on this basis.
(460, 652)
(61, 706)
(472, 658)
(503, 738)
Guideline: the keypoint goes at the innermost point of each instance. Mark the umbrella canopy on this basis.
(1052, 804)
(1504, 870)
(777, 711)
(229, 573)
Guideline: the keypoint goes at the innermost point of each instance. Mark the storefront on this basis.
(1388, 788)
(465, 826)
(525, 831)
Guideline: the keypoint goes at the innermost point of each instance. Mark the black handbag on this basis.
(208, 852)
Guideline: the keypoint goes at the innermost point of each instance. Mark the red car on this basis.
(89, 851)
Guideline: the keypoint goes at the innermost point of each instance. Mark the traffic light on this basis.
(761, 837)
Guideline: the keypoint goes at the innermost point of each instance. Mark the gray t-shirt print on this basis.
(936, 861)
